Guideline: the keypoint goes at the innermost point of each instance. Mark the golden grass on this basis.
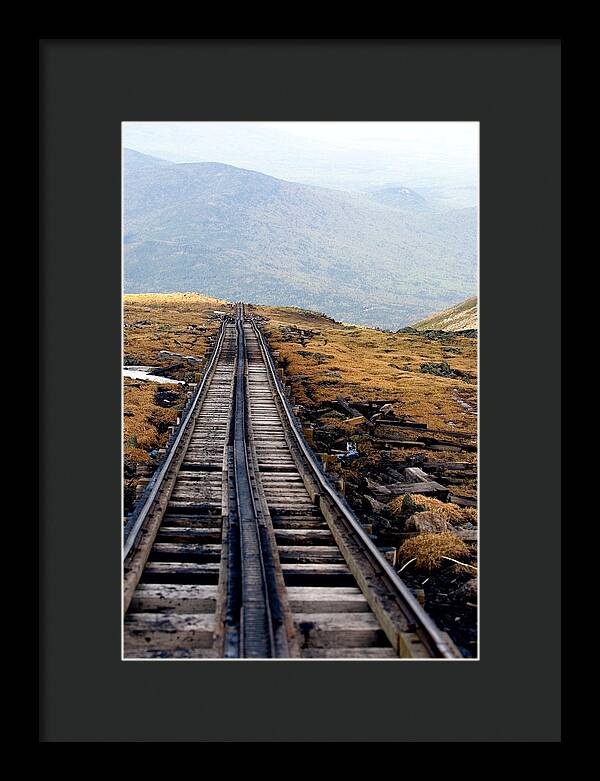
(177, 322)
(146, 423)
(429, 550)
(361, 363)
(407, 504)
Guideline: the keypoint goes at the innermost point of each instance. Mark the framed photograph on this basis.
(300, 431)
(297, 282)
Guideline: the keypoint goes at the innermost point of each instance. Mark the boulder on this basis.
(426, 522)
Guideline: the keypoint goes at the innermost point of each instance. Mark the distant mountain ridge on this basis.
(460, 317)
(244, 235)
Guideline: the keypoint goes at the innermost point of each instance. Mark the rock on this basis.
(441, 369)
(468, 535)
(467, 592)
(426, 522)
(376, 507)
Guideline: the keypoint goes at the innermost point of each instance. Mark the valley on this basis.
(386, 258)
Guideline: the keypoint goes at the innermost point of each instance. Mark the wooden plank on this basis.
(449, 465)
(317, 569)
(308, 554)
(187, 549)
(196, 493)
(172, 653)
(193, 467)
(329, 574)
(416, 474)
(418, 488)
(355, 421)
(156, 631)
(274, 479)
(207, 494)
(411, 646)
(297, 491)
(382, 422)
(397, 443)
(397, 489)
(460, 479)
(349, 653)
(288, 510)
(181, 572)
(196, 508)
(301, 536)
(296, 514)
(174, 598)
(376, 488)
(347, 408)
(189, 534)
(208, 522)
(311, 599)
(279, 467)
(346, 630)
(305, 524)
(187, 479)
(458, 434)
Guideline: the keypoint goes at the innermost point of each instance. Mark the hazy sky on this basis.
(353, 155)
(453, 139)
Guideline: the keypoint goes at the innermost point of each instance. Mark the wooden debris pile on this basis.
(375, 454)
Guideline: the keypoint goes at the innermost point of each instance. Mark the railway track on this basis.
(240, 547)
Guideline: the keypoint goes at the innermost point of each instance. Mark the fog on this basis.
(440, 158)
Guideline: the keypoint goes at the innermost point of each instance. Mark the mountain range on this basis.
(383, 258)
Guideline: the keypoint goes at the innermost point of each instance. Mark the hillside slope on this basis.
(460, 317)
(243, 235)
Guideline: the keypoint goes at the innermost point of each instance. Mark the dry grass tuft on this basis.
(428, 550)
(146, 423)
(407, 504)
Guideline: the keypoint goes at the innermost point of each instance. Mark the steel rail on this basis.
(414, 613)
(254, 613)
(131, 534)
(257, 636)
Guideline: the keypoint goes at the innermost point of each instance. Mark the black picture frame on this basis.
(87, 87)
